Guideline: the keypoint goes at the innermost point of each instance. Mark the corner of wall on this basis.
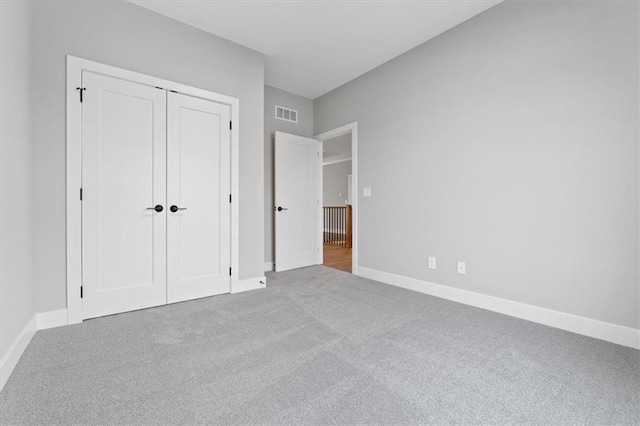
(17, 321)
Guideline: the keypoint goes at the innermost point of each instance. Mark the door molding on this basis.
(330, 134)
(75, 66)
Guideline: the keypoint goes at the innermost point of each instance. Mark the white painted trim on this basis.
(51, 319)
(614, 333)
(325, 136)
(235, 192)
(268, 266)
(15, 351)
(74, 182)
(320, 210)
(250, 284)
(335, 159)
(75, 66)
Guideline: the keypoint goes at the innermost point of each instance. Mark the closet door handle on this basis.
(157, 208)
(175, 208)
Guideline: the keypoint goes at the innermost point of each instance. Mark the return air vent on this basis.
(286, 114)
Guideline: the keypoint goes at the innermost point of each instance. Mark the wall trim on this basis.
(268, 266)
(17, 348)
(609, 332)
(247, 285)
(51, 319)
(335, 160)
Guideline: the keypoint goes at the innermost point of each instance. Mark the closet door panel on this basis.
(123, 179)
(199, 217)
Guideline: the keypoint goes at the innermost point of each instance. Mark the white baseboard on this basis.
(614, 333)
(51, 319)
(268, 266)
(250, 284)
(41, 321)
(11, 358)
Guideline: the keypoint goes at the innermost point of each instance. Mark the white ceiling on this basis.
(313, 46)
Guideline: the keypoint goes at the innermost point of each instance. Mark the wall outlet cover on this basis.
(462, 268)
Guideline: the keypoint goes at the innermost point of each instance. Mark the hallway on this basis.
(337, 257)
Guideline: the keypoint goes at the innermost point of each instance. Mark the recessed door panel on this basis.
(123, 178)
(198, 171)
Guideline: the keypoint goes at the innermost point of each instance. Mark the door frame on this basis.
(330, 134)
(75, 66)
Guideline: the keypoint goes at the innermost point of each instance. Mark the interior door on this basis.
(123, 196)
(298, 201)
(198, 197)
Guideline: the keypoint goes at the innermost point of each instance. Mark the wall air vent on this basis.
(286, 114)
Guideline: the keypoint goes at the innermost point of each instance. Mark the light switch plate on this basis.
(432, 262)
(366, 191)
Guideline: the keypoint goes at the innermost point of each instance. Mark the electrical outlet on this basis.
(462, 268)
(432, 262)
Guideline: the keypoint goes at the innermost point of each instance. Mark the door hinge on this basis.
(231, 125)
(229, 197)
(81, 293)
(80, 194)
(229, 270)
(81, 90)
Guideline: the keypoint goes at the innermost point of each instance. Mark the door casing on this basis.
(75, 66)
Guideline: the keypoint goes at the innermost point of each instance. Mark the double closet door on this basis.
(156, 211)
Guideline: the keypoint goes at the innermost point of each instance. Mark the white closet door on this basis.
(123, 178)
(198, 173)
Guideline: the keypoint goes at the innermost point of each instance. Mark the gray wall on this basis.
(509, 142)
(16, 285)
(304, 127)
(127, 36)
(335, 178)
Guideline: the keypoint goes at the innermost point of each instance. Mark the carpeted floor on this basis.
(320, 346)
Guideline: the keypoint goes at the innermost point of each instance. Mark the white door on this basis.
(198, 198)
(298, 201)
(123, 180)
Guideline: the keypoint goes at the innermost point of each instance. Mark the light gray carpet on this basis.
(320, 346)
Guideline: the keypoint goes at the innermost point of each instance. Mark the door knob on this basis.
(175, 208)
(157, 208)
(281, 208)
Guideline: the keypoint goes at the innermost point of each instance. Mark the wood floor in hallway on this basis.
(337, 257)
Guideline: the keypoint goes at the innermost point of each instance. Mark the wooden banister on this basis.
(337, 225)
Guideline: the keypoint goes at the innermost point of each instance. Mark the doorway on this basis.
(339, 164)
(155, 213)
(152, 161)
